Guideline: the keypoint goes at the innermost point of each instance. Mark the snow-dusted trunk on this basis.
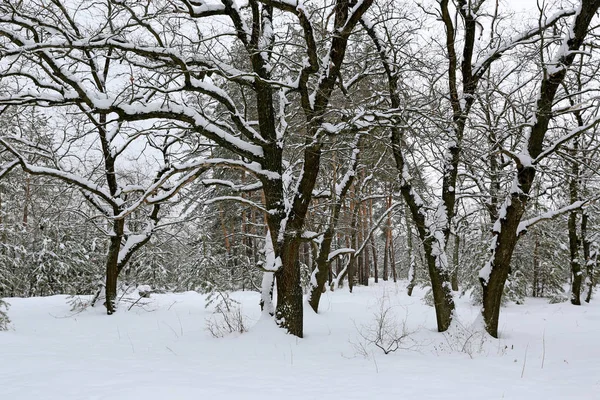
(287, 226)
(505, 242)
(112, 267)
(433, 233)
(26, 200)
(590, 255)
(574, 240)
(574, 260)
(322, 262)
(112, 274)
(289, 311)
(455, 262)
(591, 265)
(536, 268)
(440, 286)
(506, 228)
(412, 267)
(573, 237)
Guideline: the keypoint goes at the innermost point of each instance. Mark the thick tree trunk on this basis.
(442, 294)
(499, 266)
(289, 311)
(112, 274)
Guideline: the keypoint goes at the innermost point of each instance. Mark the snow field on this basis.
(162, 350)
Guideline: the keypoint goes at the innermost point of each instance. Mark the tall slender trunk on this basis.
(536, 267)
(574, 260)
(574, 242)
(590, 256)
(112, 270)
(373, 246)
(455, 262)
(26, 200)
(412, 267)
(388, 240)
(352, 261)
(364, 256)
(393, 259)
(386, 256)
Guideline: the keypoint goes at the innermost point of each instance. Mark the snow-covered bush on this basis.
(386, 332)
(227, 315)
(471, 340)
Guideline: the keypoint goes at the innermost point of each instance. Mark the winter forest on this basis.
(414, 184)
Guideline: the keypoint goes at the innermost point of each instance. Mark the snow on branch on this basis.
(237, 199)
(526, 224)
(481, 66)
(64, 176)
(339, 252)
(571, 135)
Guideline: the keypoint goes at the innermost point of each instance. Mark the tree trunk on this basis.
(393, 259)
(590, 256)
(455, 262)
(112, 270)
(412, 267)
(536, 268)
(386, 256)
(574, 262)
(26, 200)
(289, 311)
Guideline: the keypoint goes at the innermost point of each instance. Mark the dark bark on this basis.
(373, 246)
(573, 237)
(412, 267)
(536, 268)
(26, 200)
(455, 262)
(289, 311)
(386, 256)
(112, 274)
(393, 260)
(590, 256)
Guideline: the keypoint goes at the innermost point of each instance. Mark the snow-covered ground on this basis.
(163, 351)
